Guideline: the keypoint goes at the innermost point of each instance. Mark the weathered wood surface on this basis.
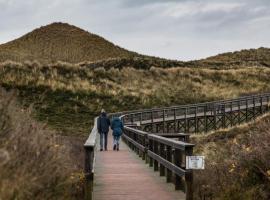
(124, 176)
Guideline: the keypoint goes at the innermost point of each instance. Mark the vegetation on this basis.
(69, 96)
(60, 41)
(67, 75)
(63, 42)
(34, 163)
(237, 160)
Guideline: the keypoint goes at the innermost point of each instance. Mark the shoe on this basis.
(106, 149)
(117, 148)
(114, 147)
(101, 149)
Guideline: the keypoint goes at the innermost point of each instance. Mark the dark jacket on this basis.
(117, 126)
(103, 123)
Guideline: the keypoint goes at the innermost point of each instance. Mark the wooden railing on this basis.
(154, 134)
(89, 163)
(165, 154)
(203, 117)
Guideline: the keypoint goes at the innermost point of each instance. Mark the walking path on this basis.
(123, 175)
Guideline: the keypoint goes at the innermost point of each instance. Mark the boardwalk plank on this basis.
(123, 175)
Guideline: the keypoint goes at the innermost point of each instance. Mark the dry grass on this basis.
(68, 96)
(237, 163)
(60, 41)
(33, 164)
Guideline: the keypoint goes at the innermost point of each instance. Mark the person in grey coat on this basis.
(117, 127)
(103, 124)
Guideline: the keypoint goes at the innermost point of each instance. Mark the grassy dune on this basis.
(69, 96)
(237, 162)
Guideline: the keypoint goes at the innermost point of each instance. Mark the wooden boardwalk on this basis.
(123, 175)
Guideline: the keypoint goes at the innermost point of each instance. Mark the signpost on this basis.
(195, 162)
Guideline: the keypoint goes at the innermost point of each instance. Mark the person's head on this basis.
(103, 111)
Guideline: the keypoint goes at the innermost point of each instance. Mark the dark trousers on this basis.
(103, 140)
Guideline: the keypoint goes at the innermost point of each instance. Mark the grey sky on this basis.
(178, 29)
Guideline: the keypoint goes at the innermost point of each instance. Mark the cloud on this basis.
(178, 29)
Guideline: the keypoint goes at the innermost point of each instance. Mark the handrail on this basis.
(164, 154)
(149, 145)
(189, 105)
(89, 163)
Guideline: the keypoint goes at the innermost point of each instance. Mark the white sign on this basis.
(194, 162)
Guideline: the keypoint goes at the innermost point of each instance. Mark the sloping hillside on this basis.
(67, 43)
(237, 162)
(249, 57)
(68, 97)
(60, 42)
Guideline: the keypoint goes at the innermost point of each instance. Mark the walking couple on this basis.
(103, 125)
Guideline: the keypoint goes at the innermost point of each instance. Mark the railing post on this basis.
(224, 115)
(89, 176)
(177, 154)
(163, 120)
(175, 121)
(162, 154)
(267, 101)
(231, 113)
(205, 119)
(196, 120)
(254, 108)
(152, 121)
(151, 149)
(246, 109)
(156, 152)
(261, 105)
(239, 112)
(189, 178)
(132, 118)
(168, 158)
(215, 117)
(186, 123)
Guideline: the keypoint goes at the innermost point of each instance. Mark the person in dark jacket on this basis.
(103, 124)
(117, 127)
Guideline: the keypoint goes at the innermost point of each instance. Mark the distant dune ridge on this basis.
(67, 43)
(60, 42)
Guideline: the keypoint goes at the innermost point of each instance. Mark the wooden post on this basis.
(152, 121)
(223, 116)
(178, 162)
(189, 178)
(151, 149)
(261, 105)
(196, 120)
(156, 152)
(88, 171)
(186, 122)
(239, 112)
(163, 120)
(231, 113)
(168, 158)
(254, 109)
(175, 121)
(267, 101)
(162, 154)
(215, 117)
(205, 119)
(246, 109)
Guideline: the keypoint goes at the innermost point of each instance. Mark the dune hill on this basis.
(68, 43)
(60, 42)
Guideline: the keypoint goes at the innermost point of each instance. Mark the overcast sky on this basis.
(177, 29)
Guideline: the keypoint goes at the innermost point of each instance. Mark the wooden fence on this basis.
(155, 134)
(166, 153)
